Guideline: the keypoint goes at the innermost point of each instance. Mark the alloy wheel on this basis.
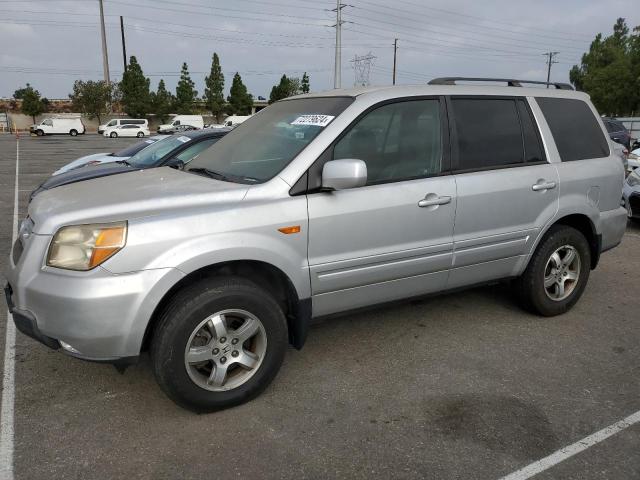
(562, 273)
(225, 350)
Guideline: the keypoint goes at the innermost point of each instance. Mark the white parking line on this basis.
(573, 449)
(8, 377)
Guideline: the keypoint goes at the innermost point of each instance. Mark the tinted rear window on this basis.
(488, 133)
(575, 129)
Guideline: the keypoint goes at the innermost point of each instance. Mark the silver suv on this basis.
(319, 204)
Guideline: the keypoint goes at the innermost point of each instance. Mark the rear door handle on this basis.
(543, 185)
(433, 200)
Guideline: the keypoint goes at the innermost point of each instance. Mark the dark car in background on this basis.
(174, 151)
(618, 132)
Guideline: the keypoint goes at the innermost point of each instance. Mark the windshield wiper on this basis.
(222, 176)
(124, 162)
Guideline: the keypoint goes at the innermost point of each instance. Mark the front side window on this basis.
(398, 141)
(258, 149)
(487, 133)
(47, 122)
(176, 123)
(574, 127)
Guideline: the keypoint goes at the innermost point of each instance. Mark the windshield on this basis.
(150, 156)
(263, 145)
(135, 148)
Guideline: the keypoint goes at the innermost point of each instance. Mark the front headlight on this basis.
(83, 247)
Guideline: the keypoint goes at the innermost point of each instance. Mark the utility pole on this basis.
(124, 45)
(550, 61)
(395, 54)
(337, 80)
(105, 60)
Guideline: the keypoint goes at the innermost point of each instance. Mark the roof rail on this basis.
(509, 81)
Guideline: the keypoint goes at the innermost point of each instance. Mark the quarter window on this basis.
(398, 141)
(575, 129)
(487, 133)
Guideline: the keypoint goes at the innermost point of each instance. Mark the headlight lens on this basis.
(83, 247)
(633, 179)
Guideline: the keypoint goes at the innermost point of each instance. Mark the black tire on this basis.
(184, 313)
(113, 135)
(140, 134)
(530, 286)
(73, 132)
(39, 133)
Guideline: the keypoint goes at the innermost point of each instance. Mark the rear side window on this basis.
(575, 129)
(487, 133)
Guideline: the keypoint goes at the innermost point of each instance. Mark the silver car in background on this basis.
(317, 205)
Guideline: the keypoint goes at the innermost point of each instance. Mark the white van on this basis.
(233, 120)
(116, 122)
(193, 120)
(60, 126)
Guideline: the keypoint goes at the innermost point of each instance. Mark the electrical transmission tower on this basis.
(362, 69)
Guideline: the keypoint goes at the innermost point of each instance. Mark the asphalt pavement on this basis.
(464, 385)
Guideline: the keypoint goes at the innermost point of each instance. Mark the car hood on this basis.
(141, 193)
(81, 174)
(80, 162)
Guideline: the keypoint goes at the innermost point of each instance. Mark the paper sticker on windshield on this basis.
(313, 120)
(184, 139)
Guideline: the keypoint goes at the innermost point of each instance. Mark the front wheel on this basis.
(140, 134)
(113, 134)
(557, 273)
(39, 133)
(218, 344)
(73, 133)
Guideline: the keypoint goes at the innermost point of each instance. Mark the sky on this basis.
(51, 43)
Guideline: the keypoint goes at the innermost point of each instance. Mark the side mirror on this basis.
(344, 174)
(175, 163)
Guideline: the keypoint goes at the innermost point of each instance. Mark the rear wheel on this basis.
(557, 273)
(113, 134)
(218, 344)
(73, 132)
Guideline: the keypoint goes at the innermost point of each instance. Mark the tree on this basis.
(214, 90)
(31, 103)
(162, 101)
(610, 71)
(186, 94)
(240, 100)
(91, 98)
(286, 88)
(134, 89)
(304, 85)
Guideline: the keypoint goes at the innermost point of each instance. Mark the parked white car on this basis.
(127, 131)
(107, 157)
(58, 126)
(116, 122)
(233, 120)
(192, 120)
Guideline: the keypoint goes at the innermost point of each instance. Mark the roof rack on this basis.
(509, 81)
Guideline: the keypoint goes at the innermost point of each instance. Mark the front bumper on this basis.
(102, 316)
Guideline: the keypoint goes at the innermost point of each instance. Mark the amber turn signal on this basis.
(290, 230)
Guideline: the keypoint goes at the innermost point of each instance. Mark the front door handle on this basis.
(432, 200)
(543, 185)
